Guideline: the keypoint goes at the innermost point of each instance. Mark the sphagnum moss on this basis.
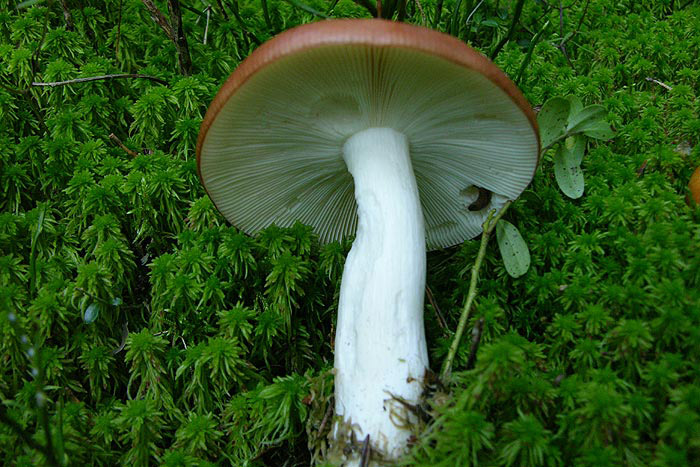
(218, 350)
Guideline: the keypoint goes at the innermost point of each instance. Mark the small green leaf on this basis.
(28, 3)
(567, 167)
(489, 23)
(586, 118)
(91, 313)
(552, 119)
(600, 130)
(575, 106)
(514, 251)
(116, 301)
(576, 145)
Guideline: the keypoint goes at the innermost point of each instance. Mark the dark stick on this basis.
(326, 416)
(431, 299)
(101, 77)
(511, 30)
(366, 452)
(67, 17)
(476, 338)
(159, 18)
(183, 50)
(223, 10)
(562, 45)
(583, 15)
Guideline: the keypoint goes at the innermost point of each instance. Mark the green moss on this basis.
(206, 346)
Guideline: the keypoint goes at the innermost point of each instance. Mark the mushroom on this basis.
(694, 186)
(387, 131)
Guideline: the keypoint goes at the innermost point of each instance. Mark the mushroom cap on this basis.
(270, 146)
(694, 186)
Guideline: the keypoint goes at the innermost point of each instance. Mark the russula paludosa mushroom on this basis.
(694, 186)
(387, 131)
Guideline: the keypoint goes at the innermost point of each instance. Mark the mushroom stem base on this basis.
(380, 349)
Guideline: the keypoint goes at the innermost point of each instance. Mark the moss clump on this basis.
(138, 328)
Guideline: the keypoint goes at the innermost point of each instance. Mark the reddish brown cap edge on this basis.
(375, 32)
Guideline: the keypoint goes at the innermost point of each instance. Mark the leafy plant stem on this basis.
(489, 226)
(528, 56)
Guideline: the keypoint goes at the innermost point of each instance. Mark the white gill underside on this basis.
(380, 349)
(278, 159)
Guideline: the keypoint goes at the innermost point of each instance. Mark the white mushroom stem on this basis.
(380, 349)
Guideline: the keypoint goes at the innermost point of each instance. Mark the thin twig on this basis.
(174, 30)
(562, 45)
(223, 10)
(642, 168)
(424, 19)
(568, 37)
(511, 30)
(489, 226)
(119, 143)
(663, 85)
(583, 15)
(67, 17)
(431, 299)
(326, 417)
(159, 18)
(183, 50)
(101, 77)
(206, 28)
(366, 452)
(476, 338)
